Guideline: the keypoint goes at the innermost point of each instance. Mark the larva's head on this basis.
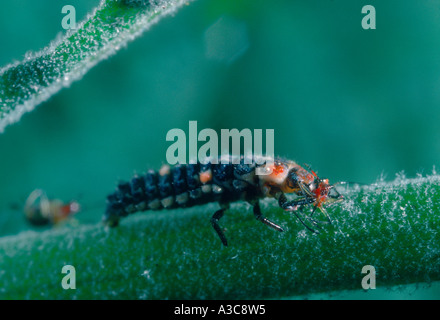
(325, 193)
(311, 185)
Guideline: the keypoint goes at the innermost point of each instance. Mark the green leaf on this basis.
(40, 75)
(177, 255)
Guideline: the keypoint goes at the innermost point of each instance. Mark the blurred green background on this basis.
(355, 104)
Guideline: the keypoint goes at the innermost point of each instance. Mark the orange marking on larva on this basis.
(205, 177)
(164, 170)
(65, 210)
(317, 192)
(277, 169)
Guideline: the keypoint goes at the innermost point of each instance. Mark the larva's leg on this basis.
(292, 206)
(259, 216)
(324, 212)
(301, 202)
(214, 221)
(287, 205)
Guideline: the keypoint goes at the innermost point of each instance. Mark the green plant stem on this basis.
(26, 84)
(177, 255)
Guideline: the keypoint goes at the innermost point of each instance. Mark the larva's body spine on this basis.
(182, 186)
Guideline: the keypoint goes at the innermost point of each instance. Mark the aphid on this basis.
(40, 210)
(197, 184)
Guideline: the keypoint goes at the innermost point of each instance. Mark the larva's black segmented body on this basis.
(198, 184)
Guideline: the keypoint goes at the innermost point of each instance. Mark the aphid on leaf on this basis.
(40, 210)
(197, 184)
